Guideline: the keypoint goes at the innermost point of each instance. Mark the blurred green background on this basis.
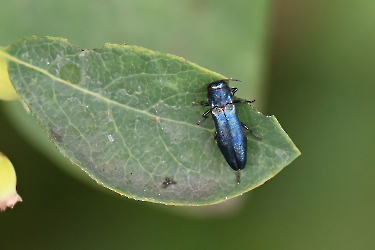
(310, 63)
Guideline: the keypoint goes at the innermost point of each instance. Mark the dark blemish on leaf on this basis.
(168, 181)
(154, 118)
(70, 73)
(56, 134)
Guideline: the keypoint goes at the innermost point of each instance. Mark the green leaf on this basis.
(124, 114)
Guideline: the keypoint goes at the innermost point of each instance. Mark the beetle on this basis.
(229, 134)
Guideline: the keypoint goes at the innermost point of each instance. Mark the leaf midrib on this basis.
(16, 60)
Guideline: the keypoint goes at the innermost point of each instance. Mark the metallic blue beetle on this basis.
(229, 135)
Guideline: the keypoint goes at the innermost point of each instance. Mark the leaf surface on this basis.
(124, 114)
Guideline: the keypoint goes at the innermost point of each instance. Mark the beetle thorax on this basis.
(219, 94)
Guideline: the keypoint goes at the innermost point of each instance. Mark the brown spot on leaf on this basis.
(168, 181)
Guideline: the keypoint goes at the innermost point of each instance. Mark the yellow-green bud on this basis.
(8, 179)
(7, 91)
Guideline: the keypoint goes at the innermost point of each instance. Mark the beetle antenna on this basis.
(232, 80)
(199, 90)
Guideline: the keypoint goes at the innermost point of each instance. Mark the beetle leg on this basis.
(240, 101)
(238, 177)
(206, 113)
(234, 90)
(244, 125)
(247, 128)
(205, 116)
(201, 103)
